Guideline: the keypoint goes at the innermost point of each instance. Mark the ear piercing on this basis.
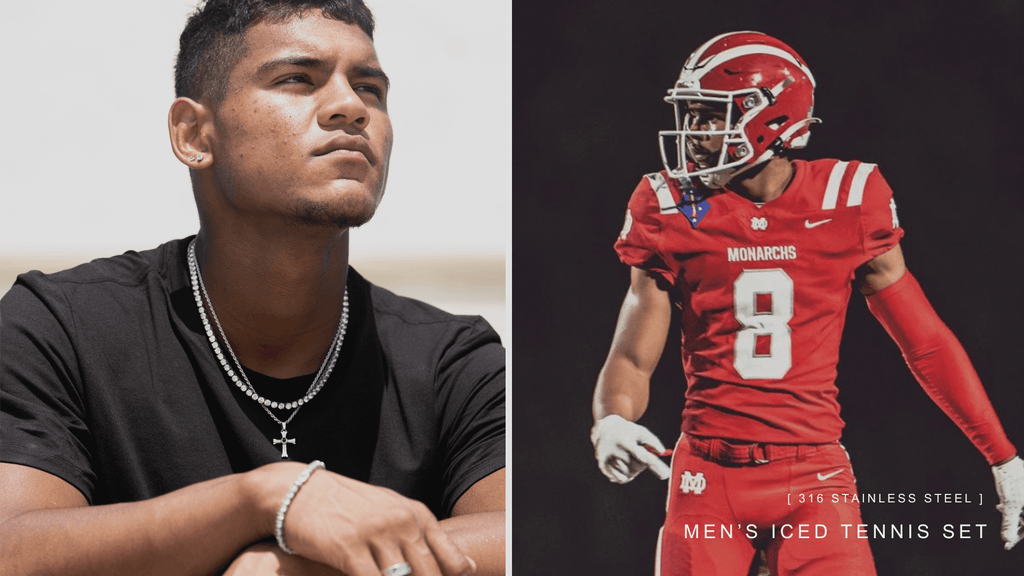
(195, 158)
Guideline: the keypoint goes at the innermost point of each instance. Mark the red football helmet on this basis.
(768, 96)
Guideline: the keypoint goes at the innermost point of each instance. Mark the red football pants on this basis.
(798, 509)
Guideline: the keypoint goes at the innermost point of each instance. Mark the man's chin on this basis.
(346, 213)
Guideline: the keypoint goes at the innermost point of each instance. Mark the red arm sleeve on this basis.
(940, 364)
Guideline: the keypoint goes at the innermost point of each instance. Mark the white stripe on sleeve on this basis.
(860, 178)
(665, 201)
(832, 188)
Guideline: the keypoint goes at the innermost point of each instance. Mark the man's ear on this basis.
(190, 125)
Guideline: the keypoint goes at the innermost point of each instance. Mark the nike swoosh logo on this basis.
(810, 224)
(823, 477)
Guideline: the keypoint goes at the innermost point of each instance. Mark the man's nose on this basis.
(343, 104)
(699, 124)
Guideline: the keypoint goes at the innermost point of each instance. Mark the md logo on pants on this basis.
(695, 483)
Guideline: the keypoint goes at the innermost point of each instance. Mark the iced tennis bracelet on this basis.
(279, 527)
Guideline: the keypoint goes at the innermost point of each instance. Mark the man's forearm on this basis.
(940, 364)
(481, 536)
(623, 386)
(621, 389)
(334, 520)
(193, 530)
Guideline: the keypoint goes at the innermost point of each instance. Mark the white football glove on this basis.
(1010, 487)
(619, 448)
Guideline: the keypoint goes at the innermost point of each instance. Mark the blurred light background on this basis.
(88, 171)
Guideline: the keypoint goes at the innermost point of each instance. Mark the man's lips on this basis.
(348, 143)
(700, 159)
(700, 156)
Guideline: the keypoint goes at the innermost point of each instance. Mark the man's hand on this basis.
(1010, 487)
(619, 448)
(361, 529)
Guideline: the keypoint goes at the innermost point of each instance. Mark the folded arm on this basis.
(46, 526)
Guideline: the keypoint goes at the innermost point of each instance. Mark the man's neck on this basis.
(767, 183)
(278, 296)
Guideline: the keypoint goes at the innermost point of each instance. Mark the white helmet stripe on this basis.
(860, 178)
(699, 70)
(795, 127)
(699, 52)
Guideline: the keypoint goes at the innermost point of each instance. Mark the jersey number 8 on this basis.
(763, 301)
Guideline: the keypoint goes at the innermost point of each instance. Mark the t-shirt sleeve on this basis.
(881, 227)
(471, 409)
(42, 414)
(639, 242)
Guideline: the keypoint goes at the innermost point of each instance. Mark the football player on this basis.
(760, 253)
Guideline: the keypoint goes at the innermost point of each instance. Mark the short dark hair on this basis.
(214, 38)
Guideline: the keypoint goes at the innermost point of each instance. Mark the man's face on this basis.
(303, 131)
(704, 149)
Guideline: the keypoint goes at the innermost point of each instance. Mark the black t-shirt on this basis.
(107, 380)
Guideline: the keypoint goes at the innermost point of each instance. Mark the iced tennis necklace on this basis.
(239, 377)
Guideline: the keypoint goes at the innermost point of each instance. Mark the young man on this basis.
(159, 408)
(759, 253)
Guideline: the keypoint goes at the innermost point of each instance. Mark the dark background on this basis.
(932, 95)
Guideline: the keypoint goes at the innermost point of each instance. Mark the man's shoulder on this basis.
(103, 303)
(835, 171)
(117, 286)
(409, 327)
(832, 184)
(658, 188)
(397, 310)
(131, 268)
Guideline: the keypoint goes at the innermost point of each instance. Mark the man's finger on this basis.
(1009, 478)
(616, 471)
(663, 454)
(449, 558)
(659, 468)
(608, 473)
(1011, 542)
(419, 556)
(1013, 527)
(361, 563)
(652, 441)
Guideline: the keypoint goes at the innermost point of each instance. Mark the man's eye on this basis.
(295, 79)
(372, 89)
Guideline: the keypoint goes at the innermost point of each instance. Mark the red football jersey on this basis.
(763, 291)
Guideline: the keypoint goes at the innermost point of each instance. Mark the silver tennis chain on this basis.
(239, 377)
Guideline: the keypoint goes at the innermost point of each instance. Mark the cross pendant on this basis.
(284, 441)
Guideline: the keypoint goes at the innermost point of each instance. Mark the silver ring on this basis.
(400, 569)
